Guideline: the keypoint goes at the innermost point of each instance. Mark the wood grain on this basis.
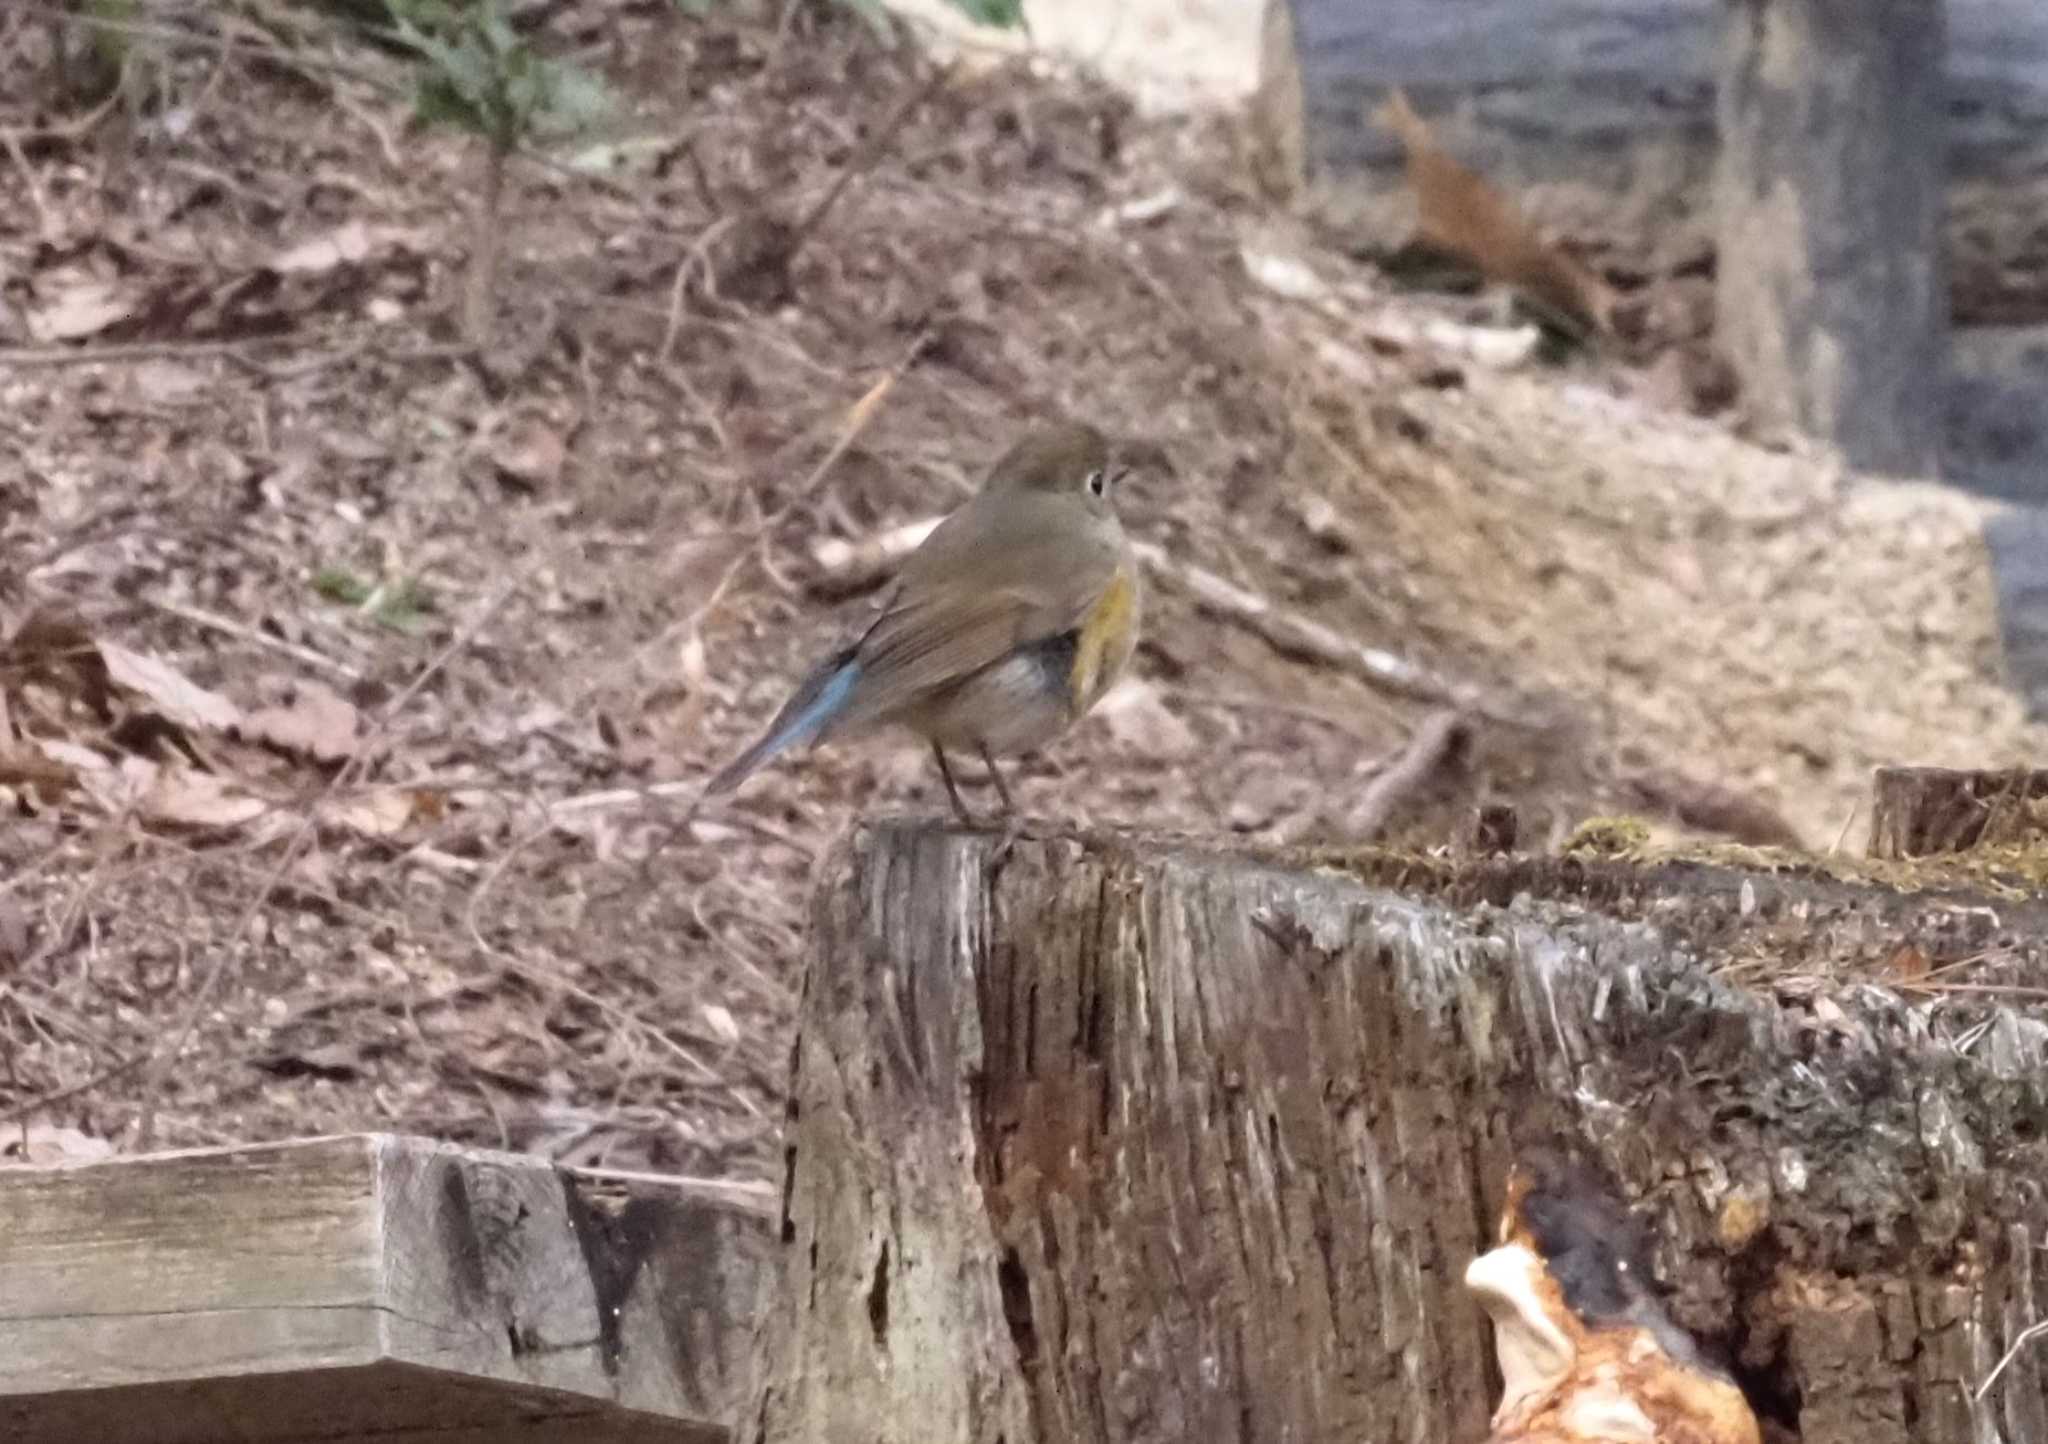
(340, 1288)
(1129, 1139)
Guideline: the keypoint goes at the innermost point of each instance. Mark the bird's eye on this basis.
(1098, 482)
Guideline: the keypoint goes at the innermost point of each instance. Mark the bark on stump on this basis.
(1924, 811)
(1126, 1140)
(1832, 298)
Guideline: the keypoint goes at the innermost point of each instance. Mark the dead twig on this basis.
(229, 627)
(2026, 1337)
(864, 160)
(756, 1198)
(1294, 635)
(1441, 737)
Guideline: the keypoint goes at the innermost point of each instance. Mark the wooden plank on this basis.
(347, 1287)
(1129, 1140)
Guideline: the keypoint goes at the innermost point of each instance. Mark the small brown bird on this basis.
(1001, 631)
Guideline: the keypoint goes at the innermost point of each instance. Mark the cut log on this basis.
(1831, 299)
(1109, 1139)
(366, 1287)
(1921, 811)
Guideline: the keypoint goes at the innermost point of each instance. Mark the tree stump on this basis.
(1117, 1139)
(1832, 299)
(1923, 811)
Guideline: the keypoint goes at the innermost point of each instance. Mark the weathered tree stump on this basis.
(1125, 1139)
(1831, 299)
(1922, 811)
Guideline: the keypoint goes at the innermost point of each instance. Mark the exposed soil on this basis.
(484, 601)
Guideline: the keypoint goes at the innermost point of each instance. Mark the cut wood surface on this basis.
(365, 1287)
(1127, 1138)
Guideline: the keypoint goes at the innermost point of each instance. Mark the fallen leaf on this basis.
(174, 795)
(51, 645)
(44, 1145)
(1500, 347)
(169, 691)
(313, 721)
(1284, 276)
(27, 764)
(80, 309)
(381, 812)
(527, 451)
(1907, 964)
(349, 244)
(187, 797)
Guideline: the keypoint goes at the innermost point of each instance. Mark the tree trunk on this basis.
(1111, 1140)
(1831, 301)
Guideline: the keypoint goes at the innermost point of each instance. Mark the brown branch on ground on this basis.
(1435, 745)
(841, 568)
(1713, 807)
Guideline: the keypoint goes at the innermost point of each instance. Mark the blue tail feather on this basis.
(803, 719)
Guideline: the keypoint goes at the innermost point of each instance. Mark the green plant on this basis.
(479, 74)
(401, 605)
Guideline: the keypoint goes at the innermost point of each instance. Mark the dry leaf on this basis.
(176, 795)
(44, 1145)
(349, 244)
(381, 812)
(1907, 964)
(1284, 276)
(186, 797)
(313, 721)
(527, 451)
(27, 764)
(176, 697)
(1461, 212)
(83, 308)
(52, 645)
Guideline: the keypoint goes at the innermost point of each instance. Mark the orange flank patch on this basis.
(1107, 635)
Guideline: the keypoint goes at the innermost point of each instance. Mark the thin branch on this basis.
(866, 158)
(1437, 740)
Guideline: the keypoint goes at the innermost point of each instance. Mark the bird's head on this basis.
(1070, 458)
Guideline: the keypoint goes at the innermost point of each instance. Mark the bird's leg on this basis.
(952, 791)
(1013, 821)
(996, 775)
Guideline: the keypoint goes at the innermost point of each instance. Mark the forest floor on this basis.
(336, 660)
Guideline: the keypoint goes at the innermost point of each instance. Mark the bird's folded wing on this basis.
(919, 647)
